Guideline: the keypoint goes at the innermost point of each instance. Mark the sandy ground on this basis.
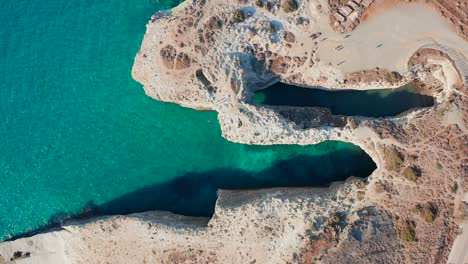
(459, 253)
(265, 226)
(400, 30)
(455, 116)
(271, 228)
(50, 248)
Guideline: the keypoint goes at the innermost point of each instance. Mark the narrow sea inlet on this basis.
(77, 131)
(370, 103)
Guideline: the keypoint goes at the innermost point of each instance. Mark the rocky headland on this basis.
(213, 55)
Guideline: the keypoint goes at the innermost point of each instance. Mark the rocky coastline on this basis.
(211, 54)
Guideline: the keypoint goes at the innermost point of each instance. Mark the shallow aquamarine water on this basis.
(75, 129)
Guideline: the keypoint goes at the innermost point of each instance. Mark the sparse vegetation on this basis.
(439, 166)
(215, 23)
(361, 195)
(289, 37)
(335, 223)
(290, 6)
(393, 159)
(408, 231)
(412, 158)
(455, 187)
(269, 6)
(428, 211)
(411, 173)
(352, 123)
(443, 110)
(393, 77)
(238, 16)
(273, 29)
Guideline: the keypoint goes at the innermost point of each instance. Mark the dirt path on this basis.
(459, 253)
(388, 40)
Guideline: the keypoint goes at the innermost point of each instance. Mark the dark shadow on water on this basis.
(370, 103)
(195, 194)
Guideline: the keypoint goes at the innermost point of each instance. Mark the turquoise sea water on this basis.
(370, 103)
(77, 131)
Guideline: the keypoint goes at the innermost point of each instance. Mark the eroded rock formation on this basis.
(213, 55)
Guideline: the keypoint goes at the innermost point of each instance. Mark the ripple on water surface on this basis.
(77, 131)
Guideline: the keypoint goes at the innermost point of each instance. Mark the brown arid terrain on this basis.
(455, 12)
(213, 54)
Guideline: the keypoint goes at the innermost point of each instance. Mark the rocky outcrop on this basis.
(370, 239)
(231, 58)
(268, 226)
(168, 55)
(218, 61)
(214, 55)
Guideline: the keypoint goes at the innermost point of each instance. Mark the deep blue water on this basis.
(76, 131)
(370, 103)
